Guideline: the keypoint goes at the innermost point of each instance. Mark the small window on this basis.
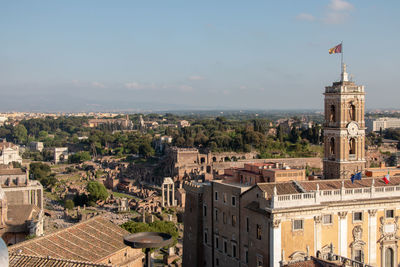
(205, 237)
(389, 213)
(224, 197)
(247, 224)
(216, 196)
(233, 220)
(224, 217)
(246, 255)
(234, 250)
(225, 246)
(234, 201)
(298, 225)
(216, 242)
(205, 211)
(357, 216)
(258, 232)
(216, 215)
(327, 219)
(216, 262)
(358, 255)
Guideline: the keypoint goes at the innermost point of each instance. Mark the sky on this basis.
(81, 55)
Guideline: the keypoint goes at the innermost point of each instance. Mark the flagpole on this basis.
(341, 56)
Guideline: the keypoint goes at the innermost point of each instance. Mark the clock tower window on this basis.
(352, 112)
(332, 146)
(352, 144)
(332, 115)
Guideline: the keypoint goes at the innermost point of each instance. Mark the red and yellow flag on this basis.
(336, 49)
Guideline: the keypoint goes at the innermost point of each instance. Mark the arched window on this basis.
(389, 257)
(332, 146)
(352, 146)
(332, 114)
(352, 112)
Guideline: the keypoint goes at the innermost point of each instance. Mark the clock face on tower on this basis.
(352, 128)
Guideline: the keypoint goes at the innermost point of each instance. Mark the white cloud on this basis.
(305, 17)
(186, 88)
(340, 5)
(98, 85)
(133, 85)
(195, 78)
(335, 18)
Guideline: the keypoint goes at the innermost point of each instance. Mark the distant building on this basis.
(36, 146)
(124, 123)
(21, 206)
(60, 154)
(253, 173)
(376, 125)
(184, 123)
(161, 142)
(9, 153)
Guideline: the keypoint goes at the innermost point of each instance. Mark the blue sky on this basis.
(84, 54)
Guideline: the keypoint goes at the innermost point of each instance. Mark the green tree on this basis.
(20, 134)
(97, 191)
(146, 150)
(79, 157)
(69, 204)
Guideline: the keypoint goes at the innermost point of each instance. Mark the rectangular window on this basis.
(216, 195)
(247, 224)
(216, 242)
(233, 220)
(216, 262)
(357, 216)
(246, 255)
(205, 237)
(327, 219)
(216, 215)
(389, 213)
(205, 211)
(234, 250)
(259, 261)
(358, 255)
(258, 232)
(234, 201)
(297, 225)
(224, 217)
(225, 246)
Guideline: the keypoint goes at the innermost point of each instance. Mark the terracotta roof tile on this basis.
(20, 260)
(93, 240)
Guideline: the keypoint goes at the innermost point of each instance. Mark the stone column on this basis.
(342, 250)
(317, 233)
(162, 195)
(372, 237)
(275, 242)
(173, 194)
(168, 203)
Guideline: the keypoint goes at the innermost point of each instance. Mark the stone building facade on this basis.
(344, 129)
(274, 224)
(9, 153)
(21, 206)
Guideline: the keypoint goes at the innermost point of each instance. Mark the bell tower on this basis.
(344, 128)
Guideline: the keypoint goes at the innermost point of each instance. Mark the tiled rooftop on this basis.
(20, 260)
(92, 240)
(286, 188)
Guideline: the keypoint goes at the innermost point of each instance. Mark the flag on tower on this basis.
(356, 176)
(336, 49)
(386, 178)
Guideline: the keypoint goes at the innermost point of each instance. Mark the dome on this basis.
(3, 253)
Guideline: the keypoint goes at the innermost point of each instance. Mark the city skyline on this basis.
(98, 55)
